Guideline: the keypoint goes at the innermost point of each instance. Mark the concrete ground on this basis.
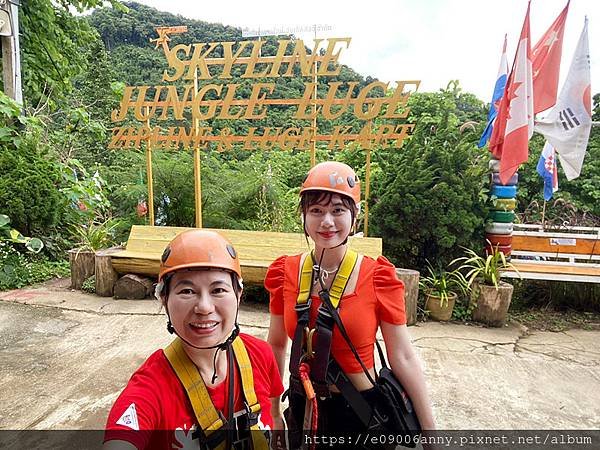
(65, 355)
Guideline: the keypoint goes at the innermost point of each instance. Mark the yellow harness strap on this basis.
(305, 280)
(207, 415)
(339, 284)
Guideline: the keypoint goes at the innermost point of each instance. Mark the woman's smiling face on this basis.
(202, 305)
(328, 223)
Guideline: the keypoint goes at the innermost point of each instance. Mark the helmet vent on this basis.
(231, 251)
(165, 254)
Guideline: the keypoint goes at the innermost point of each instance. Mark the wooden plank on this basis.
(251, 273)
(557, 268)
(551, 277)
(583, 245)
(529, 255)
(259, 245)
(557, 229)
(256, 249)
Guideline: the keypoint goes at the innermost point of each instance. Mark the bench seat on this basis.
(256, 249)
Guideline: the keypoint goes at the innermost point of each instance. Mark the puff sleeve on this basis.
(389, 292)
(274, 284)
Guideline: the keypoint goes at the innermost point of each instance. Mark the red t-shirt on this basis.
(154, 399)
(378, 296)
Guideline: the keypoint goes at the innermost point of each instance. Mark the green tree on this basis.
(429, 199)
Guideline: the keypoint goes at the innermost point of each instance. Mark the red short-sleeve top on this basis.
(378, 296)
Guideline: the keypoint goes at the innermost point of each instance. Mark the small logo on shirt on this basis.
(129, 418)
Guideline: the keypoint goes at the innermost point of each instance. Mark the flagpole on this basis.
(544, 216)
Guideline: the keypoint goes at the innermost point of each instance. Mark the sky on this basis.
(434, 41)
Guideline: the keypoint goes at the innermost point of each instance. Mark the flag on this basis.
(496, 97)
(514, 123)
(547, 169)
(567, 127)
(546, 55)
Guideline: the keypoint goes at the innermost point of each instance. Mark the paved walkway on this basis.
(65, 356)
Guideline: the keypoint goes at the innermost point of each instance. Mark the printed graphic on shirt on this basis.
(129, 418)
(185, 440)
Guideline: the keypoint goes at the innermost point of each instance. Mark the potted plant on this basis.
(91, 237)
(440, 289)
(492, 296)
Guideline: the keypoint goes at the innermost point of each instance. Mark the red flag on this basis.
(546, 63)
(514, 124)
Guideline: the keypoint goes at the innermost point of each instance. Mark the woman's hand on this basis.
(278, 435)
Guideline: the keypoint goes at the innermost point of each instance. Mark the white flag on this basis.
(567, 126)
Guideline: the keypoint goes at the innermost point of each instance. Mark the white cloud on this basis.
(432, 40)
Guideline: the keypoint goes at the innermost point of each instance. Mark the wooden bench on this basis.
(557, 254)
(256, 249)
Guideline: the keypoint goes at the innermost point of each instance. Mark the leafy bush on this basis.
(430, 197)
(29, 183)
(18, 270)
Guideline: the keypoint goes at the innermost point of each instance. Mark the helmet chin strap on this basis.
(223, 346)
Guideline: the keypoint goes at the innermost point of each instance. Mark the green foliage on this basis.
(486, 269)
(443, 283)
(29, 182)
(430, 197)
(94, 236)
(18, 270)
(89, 285)
(11, 235)
(53, 45)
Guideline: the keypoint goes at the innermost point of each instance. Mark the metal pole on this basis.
(544, 216)
(367, 184)
(149, 172)
(197, 163)
(313, 152)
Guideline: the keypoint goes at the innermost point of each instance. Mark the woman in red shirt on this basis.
(373, 299)
(212, 386)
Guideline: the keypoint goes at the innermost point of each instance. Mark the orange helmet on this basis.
(199, 248)
(333, 176)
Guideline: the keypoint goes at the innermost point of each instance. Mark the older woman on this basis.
(212, 385)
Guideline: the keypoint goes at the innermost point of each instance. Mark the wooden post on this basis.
(82, 267)
(11, 60)
(197, 167)
(149, 174)
(106, 276)
(411, 293)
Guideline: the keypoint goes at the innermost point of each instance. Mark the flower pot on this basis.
(438, 310)
(492, 304)
(83, 265)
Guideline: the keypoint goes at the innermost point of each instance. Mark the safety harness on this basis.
(309, 361)
(217, 432)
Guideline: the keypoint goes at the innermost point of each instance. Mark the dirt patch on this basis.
(550, 320)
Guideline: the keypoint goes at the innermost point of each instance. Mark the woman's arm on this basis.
(406, 366)
(278, 339)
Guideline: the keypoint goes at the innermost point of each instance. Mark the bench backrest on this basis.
(251, 246)
(548, 243)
